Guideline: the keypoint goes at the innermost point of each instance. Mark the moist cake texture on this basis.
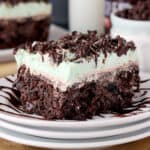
(23, 20)
(77, 77)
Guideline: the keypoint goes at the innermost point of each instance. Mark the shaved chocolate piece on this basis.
(86, 46)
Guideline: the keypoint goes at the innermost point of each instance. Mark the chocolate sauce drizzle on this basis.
(8, 79)
(12, 96)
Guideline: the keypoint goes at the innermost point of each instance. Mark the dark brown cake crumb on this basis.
(81, 45)
(140, 11)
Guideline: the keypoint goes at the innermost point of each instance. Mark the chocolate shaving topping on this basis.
(87, 46)
(140, 11)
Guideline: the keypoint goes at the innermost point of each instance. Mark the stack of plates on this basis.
(103, 131)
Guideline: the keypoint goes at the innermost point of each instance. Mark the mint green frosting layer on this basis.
(67, 73)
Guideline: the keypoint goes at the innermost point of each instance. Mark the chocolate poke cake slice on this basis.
(77, 77)
(23, 20)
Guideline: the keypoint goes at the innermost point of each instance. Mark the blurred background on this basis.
(61, 10)
(60, 13)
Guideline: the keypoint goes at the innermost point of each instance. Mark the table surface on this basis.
(8, 68)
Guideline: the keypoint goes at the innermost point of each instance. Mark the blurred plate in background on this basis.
(55, 33)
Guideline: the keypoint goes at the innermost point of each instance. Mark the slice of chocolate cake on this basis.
(23, 20)
(77, 77)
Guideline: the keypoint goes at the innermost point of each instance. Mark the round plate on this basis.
(73, 144)
(81, 134)
(107, 120)
(93, 123)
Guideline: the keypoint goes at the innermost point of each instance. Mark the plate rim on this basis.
(75, 135)
(72, 124)
(76, 145)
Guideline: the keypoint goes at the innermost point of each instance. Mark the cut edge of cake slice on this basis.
(80, 59)
(77, 77)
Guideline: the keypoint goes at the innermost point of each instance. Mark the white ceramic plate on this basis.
(108, 120)
(6, 55)
(55, 33)
(81, 134)
(73, 144)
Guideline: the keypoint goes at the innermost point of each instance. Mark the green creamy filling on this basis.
(71, 72)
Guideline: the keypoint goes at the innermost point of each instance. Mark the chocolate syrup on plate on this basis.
(12, 96)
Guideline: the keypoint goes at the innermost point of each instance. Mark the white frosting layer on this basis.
(67, 73)
(20, 10)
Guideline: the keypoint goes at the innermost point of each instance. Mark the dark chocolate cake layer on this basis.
(16, 32)
(111, 93)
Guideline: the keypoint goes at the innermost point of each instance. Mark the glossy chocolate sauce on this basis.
(12, 95)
